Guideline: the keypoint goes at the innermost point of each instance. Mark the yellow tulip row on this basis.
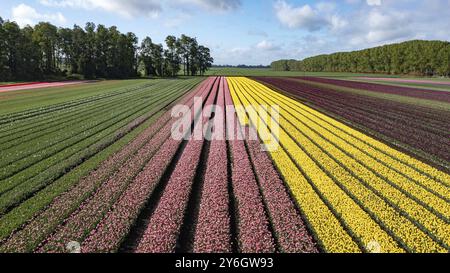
(330, 143)
(395, 178)
(409, 233)
(346, 172)
(328, 229)
(423, 216)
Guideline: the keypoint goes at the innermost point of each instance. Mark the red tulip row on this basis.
(110, 232)
(397, 90)
(212, 233)
(165, 224)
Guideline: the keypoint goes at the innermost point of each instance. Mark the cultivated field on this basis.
(234, 71)
(353, 190)
(95, 167)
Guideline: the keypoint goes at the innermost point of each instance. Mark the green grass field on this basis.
(218, 71)
(51, 137)
(269, 72)
(14, 101)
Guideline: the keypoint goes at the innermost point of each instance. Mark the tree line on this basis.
(46, 51)
(418, 57)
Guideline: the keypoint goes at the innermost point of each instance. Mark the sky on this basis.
(252, 31)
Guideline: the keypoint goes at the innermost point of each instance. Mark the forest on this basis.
(418, 57)
(95, 51)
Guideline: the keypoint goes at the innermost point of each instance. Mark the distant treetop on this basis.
(417, 57)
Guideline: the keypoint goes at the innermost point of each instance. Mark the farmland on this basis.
(358, 167)
(366, 190)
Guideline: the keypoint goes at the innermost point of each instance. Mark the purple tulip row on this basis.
(164, 226)
(254, 235)
(433, 120)
(110, 232)
(288, 227)
(373, 116)
(397, 90)
(212, 234)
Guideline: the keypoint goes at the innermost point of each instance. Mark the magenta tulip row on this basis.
(254, 235)
(164, 226)
(212, 233)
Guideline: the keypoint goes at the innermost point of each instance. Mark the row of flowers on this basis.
(346, 164)
(356, 180)
(331, 235)
(391, 89)
(64, 205)
(289, 229)
(212, 232)
(374, 114)
(164, 226)
(39, 174)
(110, 232)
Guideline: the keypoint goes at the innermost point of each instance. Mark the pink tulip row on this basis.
(46, 221)
(90, 213)
(79, 222)
(110, 232)
(254, 235)
(165, 224)
(289, 228)
(212, 234)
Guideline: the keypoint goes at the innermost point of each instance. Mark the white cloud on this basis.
(299, 17)
(322, 15)
(266, 45)
(26, 15)
(366, 24)
(126, 8)
(213, 5)
(149, 8)
(374, 2)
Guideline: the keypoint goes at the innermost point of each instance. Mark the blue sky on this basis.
(252, 31)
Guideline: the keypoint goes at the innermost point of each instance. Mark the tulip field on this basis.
(357, 167)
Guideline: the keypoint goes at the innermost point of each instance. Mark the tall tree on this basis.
(46, 35)
(157, 58)
(146, 56)
(173, 59)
